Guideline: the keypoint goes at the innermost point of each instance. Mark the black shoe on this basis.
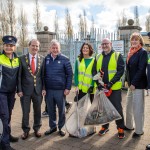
(103, 131)
(45, 114)
(48, 132)
(148, 147)
(127, 129)
(10, 148)
(62, 133)
(135, 135)
(68, 106)
(13, 139)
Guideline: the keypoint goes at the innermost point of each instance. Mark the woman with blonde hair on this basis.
(137, 81)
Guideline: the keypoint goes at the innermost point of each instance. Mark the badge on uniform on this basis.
(59, 62)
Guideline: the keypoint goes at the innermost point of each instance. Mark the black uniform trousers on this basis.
(25, 104)
(7, 101)
(116, 99)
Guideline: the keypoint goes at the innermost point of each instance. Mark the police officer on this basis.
(9, 66)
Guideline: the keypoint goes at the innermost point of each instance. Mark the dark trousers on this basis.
(25, 104)
(56, 98)
(116, 99)
(66, 103)
(81, 94)
(46, 109)
(7, 101)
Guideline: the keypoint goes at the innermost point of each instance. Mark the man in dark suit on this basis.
(31, 88)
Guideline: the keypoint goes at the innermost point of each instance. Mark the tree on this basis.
(122, 20)
(92, 27)
(56, 28)
(69, 28)
(4, 28)
(36, 15)
(136, 16)
(11, 17)
(83, 25)
(23, 35)
(147, 23)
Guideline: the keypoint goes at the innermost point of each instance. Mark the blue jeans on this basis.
(56, 98)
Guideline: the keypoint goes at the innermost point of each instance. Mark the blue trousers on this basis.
(7, 101)
(56, 98)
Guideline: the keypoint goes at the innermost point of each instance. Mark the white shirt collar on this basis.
(30, 56)
(53, 57)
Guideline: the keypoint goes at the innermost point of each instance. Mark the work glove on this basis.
(90, 90)
(109, 85)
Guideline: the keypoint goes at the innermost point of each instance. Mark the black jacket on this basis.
(148, 72)
(120, 67)
(26, 81)
(136, 70)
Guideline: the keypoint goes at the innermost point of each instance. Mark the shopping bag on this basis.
(101, 111)
(75, 123)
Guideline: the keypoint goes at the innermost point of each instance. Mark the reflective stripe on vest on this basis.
(148, 61)
(112, 68)
(85, 75)
(5, 61)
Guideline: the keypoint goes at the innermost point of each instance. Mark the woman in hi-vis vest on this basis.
(136, 81)
(83, 72)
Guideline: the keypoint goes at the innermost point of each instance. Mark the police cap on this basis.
(8, 39)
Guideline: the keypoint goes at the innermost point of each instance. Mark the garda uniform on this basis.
(8, 81)
(112, 65)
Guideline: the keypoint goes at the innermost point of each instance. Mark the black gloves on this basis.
(109, 85)
(90, 90)
(100, 87)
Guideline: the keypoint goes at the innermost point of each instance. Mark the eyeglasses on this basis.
(105, 44)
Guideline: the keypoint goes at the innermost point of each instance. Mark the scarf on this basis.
(132, 51)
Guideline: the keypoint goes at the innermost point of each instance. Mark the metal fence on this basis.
(71, 47)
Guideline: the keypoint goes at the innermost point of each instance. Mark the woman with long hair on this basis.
(83, 72)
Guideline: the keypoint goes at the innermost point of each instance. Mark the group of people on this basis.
(33, 77)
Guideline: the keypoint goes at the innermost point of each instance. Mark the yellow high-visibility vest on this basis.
(84, 75)
(148, 61)
(112, 68)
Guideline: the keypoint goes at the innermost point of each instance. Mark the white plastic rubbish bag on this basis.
(101, 111)
(75, 123)
(1, 129)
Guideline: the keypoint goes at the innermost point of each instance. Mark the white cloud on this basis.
(105, 16)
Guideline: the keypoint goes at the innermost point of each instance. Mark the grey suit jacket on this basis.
(28, 82)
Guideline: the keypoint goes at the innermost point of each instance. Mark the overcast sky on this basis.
(104, 12)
